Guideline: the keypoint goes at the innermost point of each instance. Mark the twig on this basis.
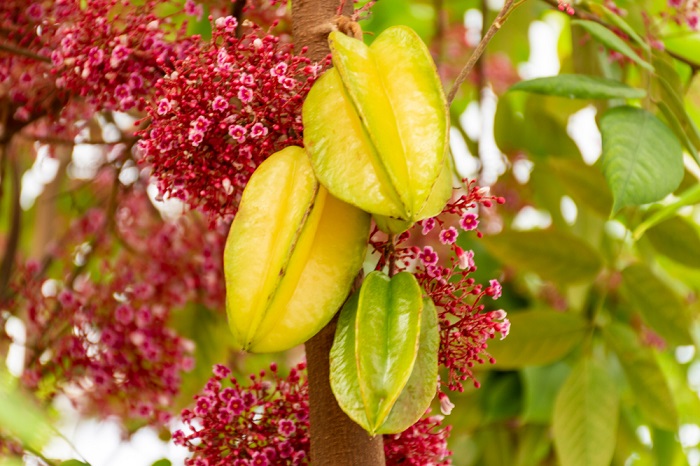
(493, 29)
(24, 53)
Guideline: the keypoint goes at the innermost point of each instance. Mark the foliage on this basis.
(115, 271)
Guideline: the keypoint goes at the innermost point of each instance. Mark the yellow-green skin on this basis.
(291, 255)
(376, 128)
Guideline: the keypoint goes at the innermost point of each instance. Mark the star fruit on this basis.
(376, 128)
(291, 256)
(384, 359)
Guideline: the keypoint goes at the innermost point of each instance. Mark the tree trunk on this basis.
(336, 440)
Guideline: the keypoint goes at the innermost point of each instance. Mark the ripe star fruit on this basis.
(291, 255)
(376, 127)
(384, 359)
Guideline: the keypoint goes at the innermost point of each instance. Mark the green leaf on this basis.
(685, 45)
(209, 331)
(579, 86)
(21, 418)
(387, 330)
(556, 256)
(541, 385)
(502, 399)
(162, 462)
(667, 90)
(608, 38)
(585, 184)
(644, 376)
(533, 446)
(537, 338)
(420, 388)
(677, 239)
(642, 159)
(521, 120)
(617, 20)
(689, 197)
(658, 305)
(585, 417)
(379, 360)
(80, 463)
(11, 462)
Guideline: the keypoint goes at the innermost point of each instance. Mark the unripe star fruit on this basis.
(376, 128)
(384, 359)
(291, 255)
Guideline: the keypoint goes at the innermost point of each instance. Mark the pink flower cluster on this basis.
(106, 51)
(224, 110)
(25, 76)
(565, 7)
(111, 52)
(686, 11)
(101, 334)
(263, 423)
(465, 327)
(267, 423)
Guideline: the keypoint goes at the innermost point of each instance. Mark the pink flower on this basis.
(95, 56)
(164, 107)
(429, 256)
(279, 70)
(258, 130)
(494, 289)
(228, 23)
(221, 371)
(192, 9)
(465, 258)
(446, 405)
(201, 123)
(286, 427)
(237, 132)
(124, 314)
(119, 54)
(35, 11)
(219, 103)
(469, 221)
(448, 236)
(196, 136)
(247, 79)
(288, 83)
(428, 225)
(245, 95)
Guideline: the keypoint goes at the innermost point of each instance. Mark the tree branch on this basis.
(493, 29)
(24, 53)
(336, 440)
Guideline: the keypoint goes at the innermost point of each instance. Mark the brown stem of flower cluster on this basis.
(493, 29)
(335, 439)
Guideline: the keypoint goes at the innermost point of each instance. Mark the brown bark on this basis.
(336, 440)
